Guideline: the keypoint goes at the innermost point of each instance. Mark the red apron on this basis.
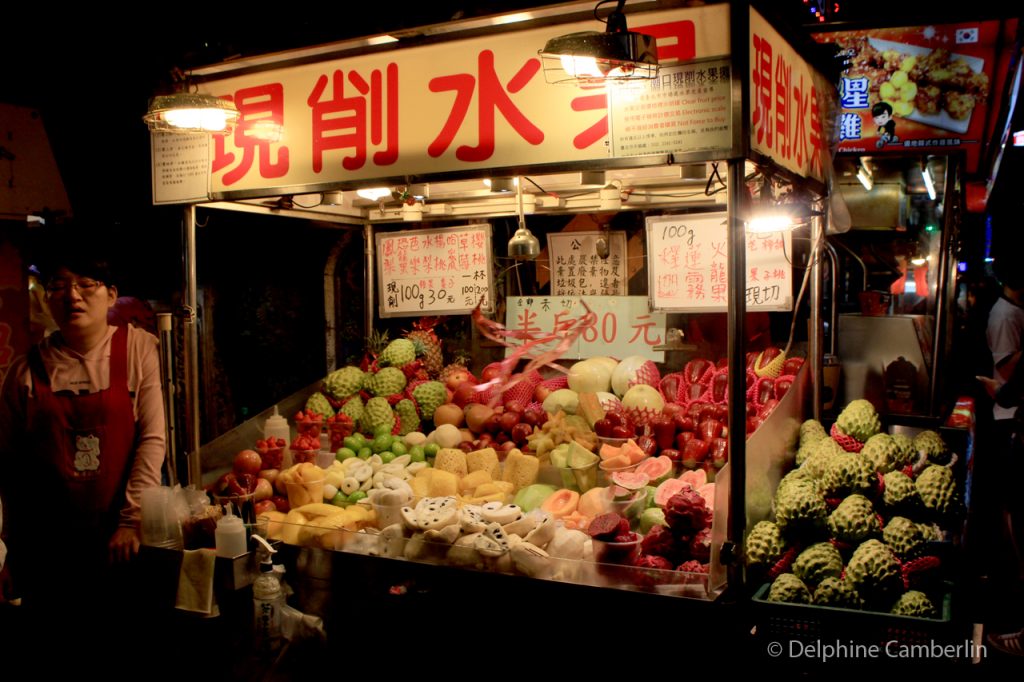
(73, 476)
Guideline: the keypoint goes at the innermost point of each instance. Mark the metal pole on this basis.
(370, 284)
(195, 472)
(833, 319)
(737, 249)
(941, 295)
(817, 333)
(164, 324)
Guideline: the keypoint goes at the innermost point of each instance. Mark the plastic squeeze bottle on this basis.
(267, 599)
(229, 536)
(275, 427)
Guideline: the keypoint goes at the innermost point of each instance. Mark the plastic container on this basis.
(276, 427)
(230, 536)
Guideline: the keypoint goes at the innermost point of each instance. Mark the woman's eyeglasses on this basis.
(61, 287)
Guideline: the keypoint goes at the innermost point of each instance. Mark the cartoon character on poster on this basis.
(881, 114)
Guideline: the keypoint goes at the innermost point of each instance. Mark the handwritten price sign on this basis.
(445, 271)
(688, 261)
(625, 325)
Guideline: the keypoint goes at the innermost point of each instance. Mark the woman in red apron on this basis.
(81, 435)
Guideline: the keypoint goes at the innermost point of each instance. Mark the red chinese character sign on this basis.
(688, 265)
(625, 325)
(444, 271)
(477, 103)
(789, 102)
(924, 88)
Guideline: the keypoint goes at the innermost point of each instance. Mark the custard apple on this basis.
(817, 562)
(787, 587)
(900, 493)
(906, 453)
(353, 407)
(764, 544)
(800, 508)
(881, 451)
(318, 403)
(854, 520)
(343, 382)
(377, 413)
(804, 452)
(904, 536)
(825, 451)
(914, 603)
(937, 489)
(848, 474)
(408, 419)
(875, 572)
(397, 353)
(387, 381)
(812, 431)
(859, 420)
(931, 444)
(837, 593)
(428, 396)
(930, 532)
(795, 475)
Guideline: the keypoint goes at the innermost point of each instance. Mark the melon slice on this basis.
(657, 469)
(562, 503)
(633, 451)
(590, 408)
(593, 503)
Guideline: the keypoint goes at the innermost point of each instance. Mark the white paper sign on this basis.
(688, 265)
(181, 167)
(578, 270)
(625, 325)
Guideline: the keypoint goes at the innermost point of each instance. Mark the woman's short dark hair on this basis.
(81, 254)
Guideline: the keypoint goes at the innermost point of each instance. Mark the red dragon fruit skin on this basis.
(686, 513)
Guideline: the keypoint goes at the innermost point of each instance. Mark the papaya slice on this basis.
(562, 503)
(608, 451)
(633, 451)
(617, 462)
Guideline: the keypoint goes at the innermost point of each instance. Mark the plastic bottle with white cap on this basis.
(229, 536)
(276, 427)
(267, 598)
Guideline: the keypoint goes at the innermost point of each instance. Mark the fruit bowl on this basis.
(580, 479)
(614, 442)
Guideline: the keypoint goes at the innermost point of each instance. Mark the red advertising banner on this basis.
(918, 89)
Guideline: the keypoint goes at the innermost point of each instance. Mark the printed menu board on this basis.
(921, 88)
(687, 258)
(443, 271)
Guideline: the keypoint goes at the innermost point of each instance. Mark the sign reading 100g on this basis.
(443, 271)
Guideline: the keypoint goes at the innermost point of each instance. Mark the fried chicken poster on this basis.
(921, 89)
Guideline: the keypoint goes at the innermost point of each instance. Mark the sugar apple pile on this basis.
(385, 382)
(318, 403)
(398, 353)
(933, 447)
(764, 545)
(859, 420)
(904, 537)
(800, 509)
(377, 416)
(937, 489)
(344, 383)
(900, 494)
(846, 474)
(914, 603)
(882, 452)
(837, 593)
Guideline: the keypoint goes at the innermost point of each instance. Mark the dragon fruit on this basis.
(653, 561)
(700, 546)
(660, 542)
(692, 566)
(686, 513)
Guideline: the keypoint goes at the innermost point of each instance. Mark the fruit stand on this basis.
(603, 473)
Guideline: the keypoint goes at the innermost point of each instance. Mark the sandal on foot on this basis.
(1011, 643)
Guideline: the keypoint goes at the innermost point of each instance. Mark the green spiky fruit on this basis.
(428, 396)
(343, 382)
(388, 381)
(914, 603)
(764, 544)
(318, 403)
(930, 532)
(398, 353)
(874, 571)
(859, 420)
(408, 419)
(854, 520)
(825, 450)
(900, 492)
(787, 587)
(817, 562)
(353, 407)
(906, 453)
(837, 593)
(932, 445)
(937, 489)
(846, 475)
(377, 413)
(795, 475)
(800, 509)
(881, 451)
(905, 537)
(811, 431)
